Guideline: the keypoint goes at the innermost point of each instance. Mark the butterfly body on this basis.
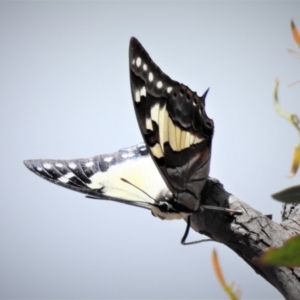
(168, 172)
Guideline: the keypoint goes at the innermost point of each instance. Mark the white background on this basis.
(65, 93)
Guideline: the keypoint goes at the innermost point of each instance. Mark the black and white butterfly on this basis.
(169, 171)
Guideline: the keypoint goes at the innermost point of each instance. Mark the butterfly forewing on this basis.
(174, 125)
(128, 176)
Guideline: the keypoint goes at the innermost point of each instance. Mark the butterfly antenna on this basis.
(125, 180)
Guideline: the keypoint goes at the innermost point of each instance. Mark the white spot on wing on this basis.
(69, 175)
(72, 166)
(127, 155)
(145, 67)
(47, 166)
(159, 85)
(59, 165)
(150, 77)
(124, 155)
(169, 89)
(137, 96)
(89, 164)
(142, 147)
(63, 179)
(39, 169)
(133, 61)
(138, 62)
(108, 159)
(143, 91)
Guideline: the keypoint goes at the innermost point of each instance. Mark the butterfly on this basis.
(165, 174)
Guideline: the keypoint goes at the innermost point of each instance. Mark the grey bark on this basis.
(250, 234)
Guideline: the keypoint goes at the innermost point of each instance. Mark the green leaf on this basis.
(289, 195)
(288, 255)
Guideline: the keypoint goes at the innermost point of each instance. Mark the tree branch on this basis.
(250, 234)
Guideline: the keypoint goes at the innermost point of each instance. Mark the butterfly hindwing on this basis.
(174, 125)
(127, 176)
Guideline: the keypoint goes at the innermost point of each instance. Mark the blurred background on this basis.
(65, 93)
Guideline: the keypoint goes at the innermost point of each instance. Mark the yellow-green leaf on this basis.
(227, 288)
(289, 195)
(294, 120)
(296, 161)
(288, 255)
(277, 106)
(295, 33)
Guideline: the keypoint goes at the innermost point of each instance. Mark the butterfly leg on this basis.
(188, 225)
(228, 210)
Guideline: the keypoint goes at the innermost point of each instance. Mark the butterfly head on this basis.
(166, 207)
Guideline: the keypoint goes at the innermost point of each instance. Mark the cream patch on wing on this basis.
(157, 151)
(177, 136)
(154, 112)
(163, 126)
(141, 172)
(182, 140)
(149, 124)
(169, 132)
(172, 135)
(155, 117)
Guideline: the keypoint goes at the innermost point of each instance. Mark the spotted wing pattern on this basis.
(174, 125)
(128, 176)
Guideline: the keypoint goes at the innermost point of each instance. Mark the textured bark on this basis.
(250, 234)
